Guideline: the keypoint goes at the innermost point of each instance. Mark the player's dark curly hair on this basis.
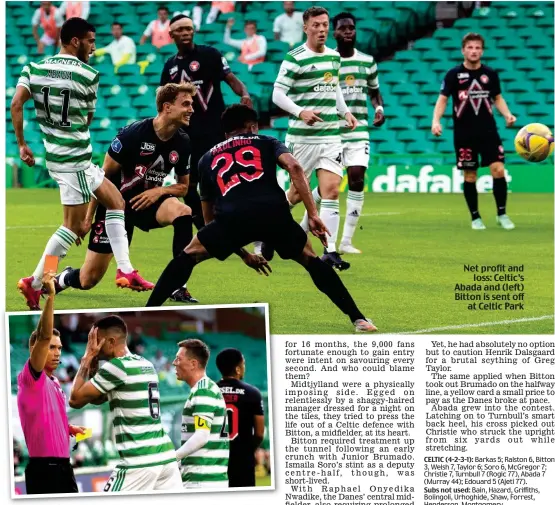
(75, 27)
(227, 360)
(340, 16)
(196, 349)
(238, 116)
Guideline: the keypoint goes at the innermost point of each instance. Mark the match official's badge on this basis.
(194, 66)
(328, 77)
(116, 145)
(350, 80)
(484, 78)
(174, 157)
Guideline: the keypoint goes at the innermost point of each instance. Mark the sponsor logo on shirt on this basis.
(174, 157)
(116, 145)
(351, 90)
(463, 75)
(146, 146)
(173, 72)
(194, 66)
(321, 88)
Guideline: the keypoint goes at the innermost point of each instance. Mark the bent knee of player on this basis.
(306, 254)
(356, 178)
(497, 170)
(195, 249)
(470, 176)
(330, 192)
(181, 210)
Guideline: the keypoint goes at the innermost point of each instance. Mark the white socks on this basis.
(317, 200)
(58, 245)
(329, 213)
(355, 201)
(117, 234)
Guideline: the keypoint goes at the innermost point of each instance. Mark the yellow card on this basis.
(87, 434)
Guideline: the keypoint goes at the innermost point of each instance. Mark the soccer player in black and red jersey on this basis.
(243, 203)
(475, 89)
(206, 68)
(137, 162)
(245, 411)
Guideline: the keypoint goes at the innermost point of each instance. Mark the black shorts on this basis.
(276, 227)
(50, 475)
(473, 151)
(145, 220)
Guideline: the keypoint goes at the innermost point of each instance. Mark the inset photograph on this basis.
(139, 401)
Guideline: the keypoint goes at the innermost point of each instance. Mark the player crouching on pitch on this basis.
(137, 162)
(243, 203)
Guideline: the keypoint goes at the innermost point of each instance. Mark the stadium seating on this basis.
(410, 80)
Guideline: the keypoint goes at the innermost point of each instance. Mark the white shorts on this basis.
(150, 478)
(318, 156)
(356, 154)
(219, 484)
(77, 187)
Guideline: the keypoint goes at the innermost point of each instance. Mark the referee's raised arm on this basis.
(42, 408)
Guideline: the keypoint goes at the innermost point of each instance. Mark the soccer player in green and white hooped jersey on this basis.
(130, 384)
(359, 79)
(64, 90)
(308, 88)
(204, 454)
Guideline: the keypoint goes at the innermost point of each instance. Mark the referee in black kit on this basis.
(205, 67)
(475, 89)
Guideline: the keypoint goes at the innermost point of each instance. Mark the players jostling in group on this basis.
(307, 87)
(137, 162)
(245, 412)
(475, 88)
(206, 68)
(243, 203)
(130, 384)
(64, 90)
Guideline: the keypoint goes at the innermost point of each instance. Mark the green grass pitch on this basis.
(415, 246)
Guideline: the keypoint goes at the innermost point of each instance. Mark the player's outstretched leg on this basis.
(58, 245)
(126, 275)
(328, 183)
(355, 201)
(177, 272)
(329, 283)
(471, 197)
(500, 195)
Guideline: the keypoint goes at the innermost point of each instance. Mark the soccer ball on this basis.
(534, 142)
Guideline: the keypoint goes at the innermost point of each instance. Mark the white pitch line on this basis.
(476, 325)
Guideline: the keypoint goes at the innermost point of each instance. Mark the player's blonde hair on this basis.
(168, 93)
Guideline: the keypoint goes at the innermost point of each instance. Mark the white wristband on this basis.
(379, 108)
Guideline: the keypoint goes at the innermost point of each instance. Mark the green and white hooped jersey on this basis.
(64, 90)
(310, 79)
(357, 75)
(206, 467)
(131, 383)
